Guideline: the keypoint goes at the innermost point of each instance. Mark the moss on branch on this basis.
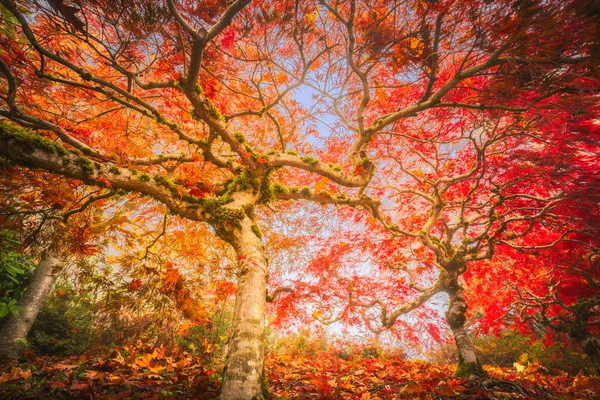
(27, 137)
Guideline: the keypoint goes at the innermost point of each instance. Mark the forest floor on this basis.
(149, 373)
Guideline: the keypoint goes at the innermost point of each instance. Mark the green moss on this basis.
(178, 86)
(465, 370)
(133, 171)
(214, 111)
(278, 188)
(230, 161)
(264, 385)
(75, 151)
(305, 191)
(198, 89)
(294, 189)
(250, 150)
(364, 161)
(239, 135)
(256, 231)
(241, 182)
(167, 183)
(249, 210)
(26, 136)
(292, 152)
(334, 166)
(86, 165)
(310, 160)
(219, 216)
(272, 152)
(163, 181)
(114, 170)
(222, 215)
(194, 114)
(144, 177)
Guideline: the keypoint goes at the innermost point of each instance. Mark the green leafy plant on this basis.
(15, 270)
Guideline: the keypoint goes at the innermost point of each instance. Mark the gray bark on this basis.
(15, 329)
(243, 375)
(468, 363)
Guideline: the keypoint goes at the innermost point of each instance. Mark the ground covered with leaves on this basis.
(151, 373)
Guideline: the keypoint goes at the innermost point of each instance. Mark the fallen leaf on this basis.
(25, 374)
(412, 388)
(519, 367)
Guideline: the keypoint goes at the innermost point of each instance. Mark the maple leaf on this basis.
(519, 367)
(228, 39)
(147, 360)
(321, 185)
(104, 181)
(134, 285)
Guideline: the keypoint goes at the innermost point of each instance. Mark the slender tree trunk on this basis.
(468, 363)
(16, 328)
(591, 346)
(243, 375)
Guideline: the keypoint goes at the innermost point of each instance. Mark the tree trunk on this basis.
(15, 329)
(243, 375)
(590, 345)
(468, 363)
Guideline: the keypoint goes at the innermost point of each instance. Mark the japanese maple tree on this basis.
(551, 272)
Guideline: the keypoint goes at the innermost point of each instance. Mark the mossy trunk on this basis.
(15, 329)
(468, 363)
(243, 375)
(590, 345)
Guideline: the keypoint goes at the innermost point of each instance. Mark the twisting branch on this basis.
(87, 203)
(161, 234)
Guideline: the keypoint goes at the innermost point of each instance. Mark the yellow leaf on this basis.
(321, 185)
(519, 367)
(412, 388)
(156, 369)
(312, 16)
(416, 46)
(119, 358)
(523, 358)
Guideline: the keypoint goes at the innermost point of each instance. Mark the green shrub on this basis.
(509, 347)
(209, 338)
(65, 324)
(15, 270)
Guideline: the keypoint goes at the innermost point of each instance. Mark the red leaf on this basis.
(228, 39)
